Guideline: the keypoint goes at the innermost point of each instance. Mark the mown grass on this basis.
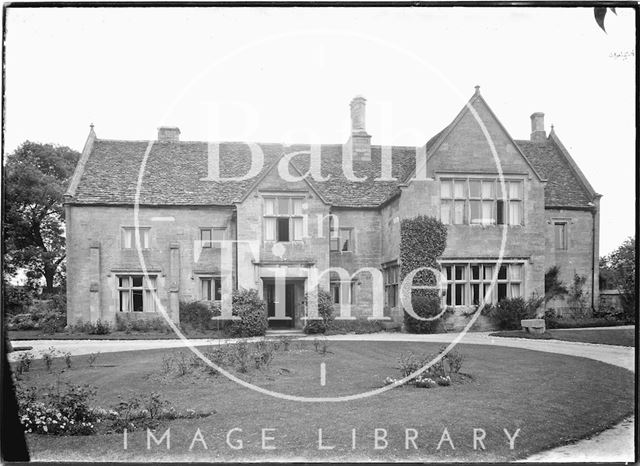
(553, 399)
(612, 336)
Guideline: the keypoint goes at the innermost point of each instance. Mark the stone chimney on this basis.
(168, 133)
(360, 142)
(538, 133)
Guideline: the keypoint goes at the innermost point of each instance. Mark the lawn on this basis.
(610, 336)
(551, 398)
(17, 335)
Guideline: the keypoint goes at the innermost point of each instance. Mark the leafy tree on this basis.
(619, 269)
(36, 176)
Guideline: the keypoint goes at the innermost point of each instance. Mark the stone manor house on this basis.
(548, 208)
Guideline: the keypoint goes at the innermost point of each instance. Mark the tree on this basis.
(619, 268)
(36, 176)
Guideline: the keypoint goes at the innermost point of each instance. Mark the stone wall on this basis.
(96, 255)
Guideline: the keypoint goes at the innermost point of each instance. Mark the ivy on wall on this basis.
(422, 241)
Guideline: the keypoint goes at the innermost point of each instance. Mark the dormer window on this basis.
(283, 219)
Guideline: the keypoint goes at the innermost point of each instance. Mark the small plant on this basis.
(286, 341)
(56, 412)
(67, 359)
(444, 381)
(91, 359)
(167, 363)
(182, 364)
(324, 348)
(409, 363)
(24, 363)
(240, 356)
(263, 354)
(47, 357)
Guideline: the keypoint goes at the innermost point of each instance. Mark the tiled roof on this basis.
(174, 171)
(564, 187)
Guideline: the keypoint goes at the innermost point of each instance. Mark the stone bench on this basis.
(533, 325)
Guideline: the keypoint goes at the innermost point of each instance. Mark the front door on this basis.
(289, 305)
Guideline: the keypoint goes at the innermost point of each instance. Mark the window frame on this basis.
(483, 281)
(390, 275)
(338, 239)
(215, 287)
(148, 287)
(452, 197)
(565, 235)
(211, 243)
(291, 215)
(145, 237)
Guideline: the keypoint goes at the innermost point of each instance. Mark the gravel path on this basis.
(613, 445)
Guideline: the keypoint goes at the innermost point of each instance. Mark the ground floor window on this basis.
(343, 292)
(468, 283)
(391, 277)
(136, 293)
(210, 289)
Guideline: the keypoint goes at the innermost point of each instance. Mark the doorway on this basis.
(288, 319)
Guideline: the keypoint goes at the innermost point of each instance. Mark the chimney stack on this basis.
(168, 133)
(538, 133)
(360, 142)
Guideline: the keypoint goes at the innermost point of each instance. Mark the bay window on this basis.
(467, 284)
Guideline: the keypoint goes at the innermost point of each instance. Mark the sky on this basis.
(288, 75)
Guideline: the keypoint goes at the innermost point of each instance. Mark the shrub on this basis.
(101, 328)
(57, 413)
(67, 359)
(198, 314)
(508, 313)
(16, 299)
(325, 314)
(48, 315)
(128, 325)
(247, 305)
(423, 306)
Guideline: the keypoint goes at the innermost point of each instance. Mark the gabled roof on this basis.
(435, 142)
(566, 185)
(174, 171)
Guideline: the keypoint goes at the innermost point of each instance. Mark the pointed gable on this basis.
(464, 147)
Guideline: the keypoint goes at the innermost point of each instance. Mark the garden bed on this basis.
(500, 388)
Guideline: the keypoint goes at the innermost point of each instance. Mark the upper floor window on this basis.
(479, 201)
(129, 237)
(340, 240)
(283, 219)
(209, 237)
(136, 293)
(560, 235)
